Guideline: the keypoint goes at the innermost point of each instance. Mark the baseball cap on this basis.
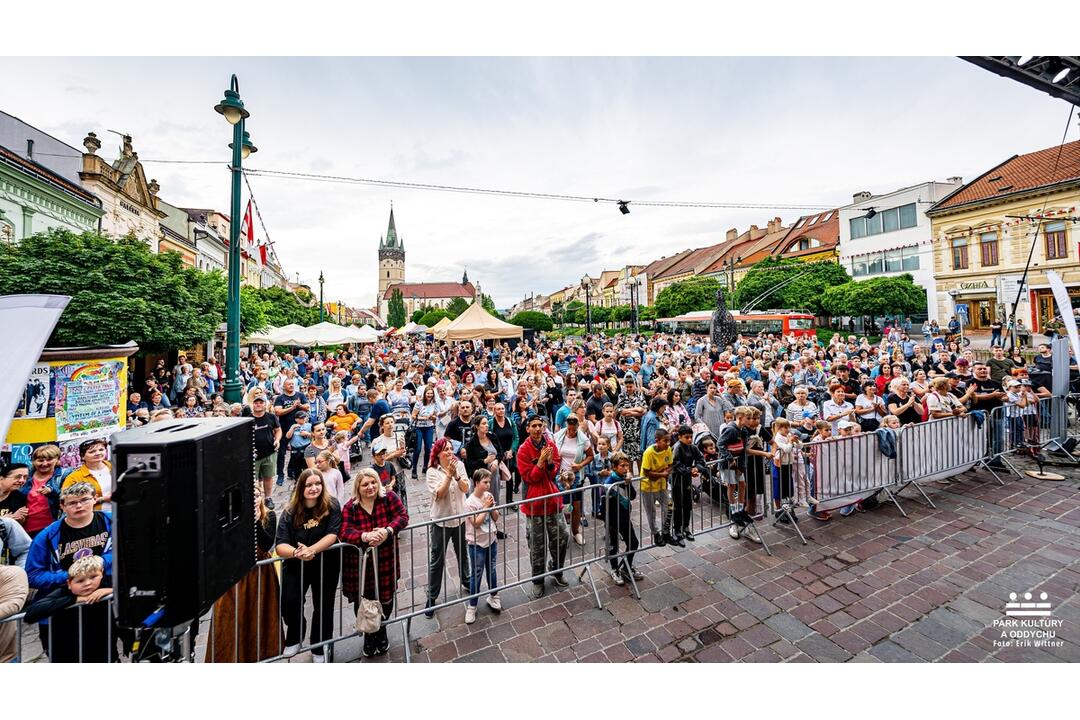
(845, 424)
(572, 419)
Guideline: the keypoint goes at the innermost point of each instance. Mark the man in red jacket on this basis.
(546, 532)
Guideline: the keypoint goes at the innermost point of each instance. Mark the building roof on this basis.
(823, 227)
(427, 291)
(693, 260)
(656, 267)
(1018, 174)
(47, 176)
(59, 157)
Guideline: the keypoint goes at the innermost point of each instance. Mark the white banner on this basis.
(1061, 298)
(26, 321)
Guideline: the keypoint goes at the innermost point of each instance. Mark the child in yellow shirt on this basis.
(655, 469)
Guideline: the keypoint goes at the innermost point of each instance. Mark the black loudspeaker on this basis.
(184, 517)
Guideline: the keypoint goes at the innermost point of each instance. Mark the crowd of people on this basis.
(593, 424)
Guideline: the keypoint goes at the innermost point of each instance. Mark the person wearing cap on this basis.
(299, 437)
(267, 434)
(1016, 401)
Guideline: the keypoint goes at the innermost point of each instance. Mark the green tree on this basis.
(647, 313)
(697, 293)
(431, 317)
(286, 308)
(882, 296)
(558, 311)
(395, 311)
(532, 319)
(120, 291)
(488, 304)
(601, 314)
(457, 306)
(805, 293)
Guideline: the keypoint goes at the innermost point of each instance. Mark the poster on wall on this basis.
(36, 400)
(87, 399)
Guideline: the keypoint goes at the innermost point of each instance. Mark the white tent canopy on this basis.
(267, 336)
(324, 333)
(364, 333)
(477, 324)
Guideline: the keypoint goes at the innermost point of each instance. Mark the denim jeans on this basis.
(482, 560)
(425, 437)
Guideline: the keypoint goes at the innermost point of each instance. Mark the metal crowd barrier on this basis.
(831, 474)
(847, 470)
(1043, 425)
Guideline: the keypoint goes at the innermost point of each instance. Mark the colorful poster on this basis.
(36, 400)
(87, 399)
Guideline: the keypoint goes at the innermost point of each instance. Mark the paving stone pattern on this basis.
(873, 587)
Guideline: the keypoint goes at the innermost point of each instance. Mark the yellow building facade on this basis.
(980, 253)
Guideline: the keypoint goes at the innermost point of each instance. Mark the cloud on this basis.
(79, 90)
(421, 160)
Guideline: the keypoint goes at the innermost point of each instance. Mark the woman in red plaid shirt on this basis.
(372, 518)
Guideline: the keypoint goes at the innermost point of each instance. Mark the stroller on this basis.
(710, 483)
(406, 436)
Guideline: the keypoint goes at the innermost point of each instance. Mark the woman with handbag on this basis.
(372, 520)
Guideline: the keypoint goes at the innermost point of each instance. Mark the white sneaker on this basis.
(494, 603)
(318, 658)
(751, 534)
(733, 531)
(470, 614)
(616, 577)
(579, 538)
(291, 650)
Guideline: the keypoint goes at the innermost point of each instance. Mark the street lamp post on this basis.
(634, 303)
(322, 305)
(232, 108)
(586, 285)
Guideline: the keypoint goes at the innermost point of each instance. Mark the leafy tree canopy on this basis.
(120, 291)
(532, 319)
(431, 317)
(395, 310)
(457, 306)
(876, 297)
(806, 293)
(697, 293)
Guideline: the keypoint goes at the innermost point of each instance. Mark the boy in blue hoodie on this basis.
(619, 492)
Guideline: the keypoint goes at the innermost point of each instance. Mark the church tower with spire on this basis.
(391, 259)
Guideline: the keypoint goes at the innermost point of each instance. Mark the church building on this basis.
(414, 295)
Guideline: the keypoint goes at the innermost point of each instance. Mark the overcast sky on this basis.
(782, 131)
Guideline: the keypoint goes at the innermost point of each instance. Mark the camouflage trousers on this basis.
(547, 535)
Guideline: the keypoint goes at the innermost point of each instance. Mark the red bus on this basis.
(777, 322)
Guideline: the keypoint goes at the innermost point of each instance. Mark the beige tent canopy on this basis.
(477, 324)
(438, 328)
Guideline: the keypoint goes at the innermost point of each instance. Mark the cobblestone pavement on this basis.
(872, 587)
